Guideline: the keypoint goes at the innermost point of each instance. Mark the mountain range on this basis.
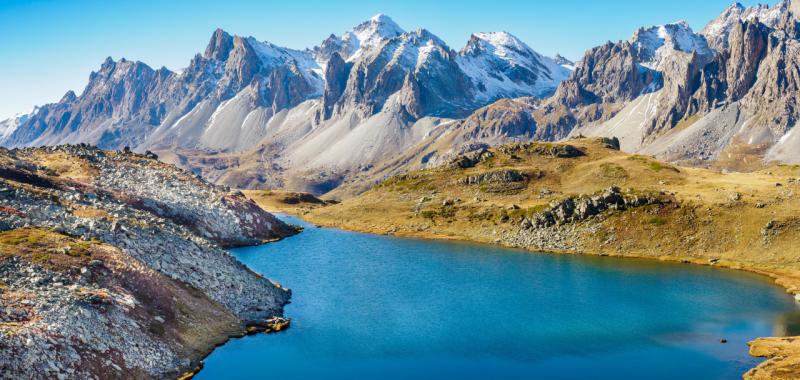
(379, 100)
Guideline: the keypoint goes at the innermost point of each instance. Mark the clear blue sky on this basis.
(49, 47)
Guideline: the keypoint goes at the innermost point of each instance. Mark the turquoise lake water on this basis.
(379, 307)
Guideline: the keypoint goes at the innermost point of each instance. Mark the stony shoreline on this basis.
(268, 326)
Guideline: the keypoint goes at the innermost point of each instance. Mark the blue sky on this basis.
(49, 47)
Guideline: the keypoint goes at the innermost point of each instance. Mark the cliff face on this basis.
(723, 98)
(111, 266)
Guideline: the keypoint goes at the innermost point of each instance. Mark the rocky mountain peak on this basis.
(718, 29)
(219, 46)
(113, 74)
(422, 37)
(8, 126)
(502, 44)
(359, 39)
(497, 39)
(107, 63)
(68, 97)
(377, 28)
(734, 12)
(609, 73)
(656, 43)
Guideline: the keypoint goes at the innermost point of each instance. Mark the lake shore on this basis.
(780, 352)
(459, 284)
(599, 202)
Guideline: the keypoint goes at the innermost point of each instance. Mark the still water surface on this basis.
(380, 307)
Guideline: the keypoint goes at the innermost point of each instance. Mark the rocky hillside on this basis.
(111, 265)
(586, 196)
(724, 98)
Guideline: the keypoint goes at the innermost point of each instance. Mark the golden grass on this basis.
(65, 165)
(276, 201)
(91, 213)
(45, 247)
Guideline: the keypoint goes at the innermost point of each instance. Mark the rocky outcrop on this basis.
(542, 149)
(469, 160)
(220, 46)
(607, 77)
(505, 119)
(609, 73)
(116, 260)
(747, 46)
(572, 210)
(502, 176)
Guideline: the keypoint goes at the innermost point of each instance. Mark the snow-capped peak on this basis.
(381, 18)
(719, 25)
(369, 33)
(718, 29)
(656, 43)
(414, 48)
(502, 41)
(500, 44)
(356, 41)
(503, 66)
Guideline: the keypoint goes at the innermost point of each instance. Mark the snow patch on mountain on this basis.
(501, 65)
(370, 33)
(564, 62)
(355, 42)
(718, 29)
(413, 49)
(272, 56)
(8, 126)
(655, 44)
